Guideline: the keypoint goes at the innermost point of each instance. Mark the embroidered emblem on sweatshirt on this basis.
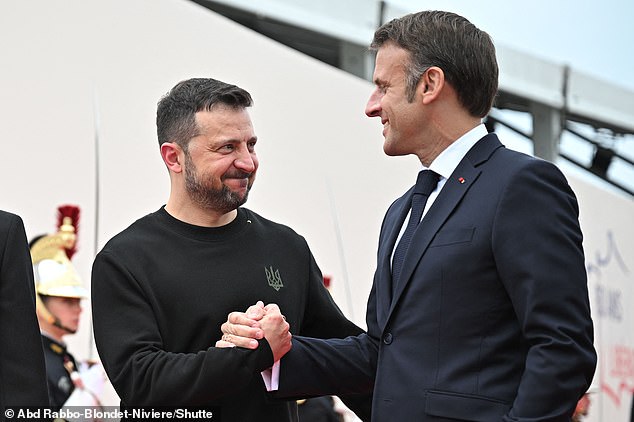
(273, 277)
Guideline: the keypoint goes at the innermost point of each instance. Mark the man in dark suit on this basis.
(22, 371)
(489, 319)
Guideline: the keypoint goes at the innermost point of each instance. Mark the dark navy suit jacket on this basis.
(22, 370)
(492, 320)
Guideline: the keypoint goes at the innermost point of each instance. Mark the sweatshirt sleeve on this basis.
(130, 345)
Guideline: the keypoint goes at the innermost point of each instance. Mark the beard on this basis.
(221, 200)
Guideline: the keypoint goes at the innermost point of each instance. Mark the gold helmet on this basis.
(54, 274)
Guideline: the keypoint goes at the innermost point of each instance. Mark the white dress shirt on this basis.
(445, 164)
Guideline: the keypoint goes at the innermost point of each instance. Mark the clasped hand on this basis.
(244, 329)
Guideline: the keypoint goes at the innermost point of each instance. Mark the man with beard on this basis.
(162, 287)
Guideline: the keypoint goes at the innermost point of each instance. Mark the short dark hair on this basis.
(176, 111)
(465, 53)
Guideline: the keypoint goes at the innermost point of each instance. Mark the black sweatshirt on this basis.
(161, 290)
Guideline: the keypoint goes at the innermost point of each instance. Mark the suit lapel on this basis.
(463, 177)
(393, 223)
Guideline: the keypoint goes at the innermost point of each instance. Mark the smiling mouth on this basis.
(237, 175)
(241, 182)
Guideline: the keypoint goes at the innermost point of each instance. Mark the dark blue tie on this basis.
(425, 183)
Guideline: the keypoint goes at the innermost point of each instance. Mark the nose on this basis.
(373, 107)
(246, 161)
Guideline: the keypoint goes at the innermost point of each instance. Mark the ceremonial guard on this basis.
(58, 302)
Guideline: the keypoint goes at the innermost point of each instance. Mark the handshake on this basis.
(244, 329)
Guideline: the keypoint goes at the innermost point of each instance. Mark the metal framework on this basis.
(556, 96)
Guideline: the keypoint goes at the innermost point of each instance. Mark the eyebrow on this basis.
(236, 140)
(380, 82)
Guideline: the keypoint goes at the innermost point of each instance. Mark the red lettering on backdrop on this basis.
(620, 365)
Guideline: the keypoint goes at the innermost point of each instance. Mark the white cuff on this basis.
(271, 377)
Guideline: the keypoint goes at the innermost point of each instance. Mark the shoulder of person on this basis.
(266, 224)
(138, 231)
(8, 220)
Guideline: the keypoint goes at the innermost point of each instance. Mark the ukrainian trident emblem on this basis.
(273, 277)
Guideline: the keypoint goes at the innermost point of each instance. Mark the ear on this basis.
(431, 84)
(173, 156)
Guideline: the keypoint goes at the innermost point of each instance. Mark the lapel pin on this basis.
(461, 180)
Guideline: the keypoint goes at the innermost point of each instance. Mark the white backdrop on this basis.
(76, 70)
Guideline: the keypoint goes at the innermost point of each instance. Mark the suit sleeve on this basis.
(538, 249)
(333, 366)
(323, 319)
(131, 349)
(22, 370)
(330, 366)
